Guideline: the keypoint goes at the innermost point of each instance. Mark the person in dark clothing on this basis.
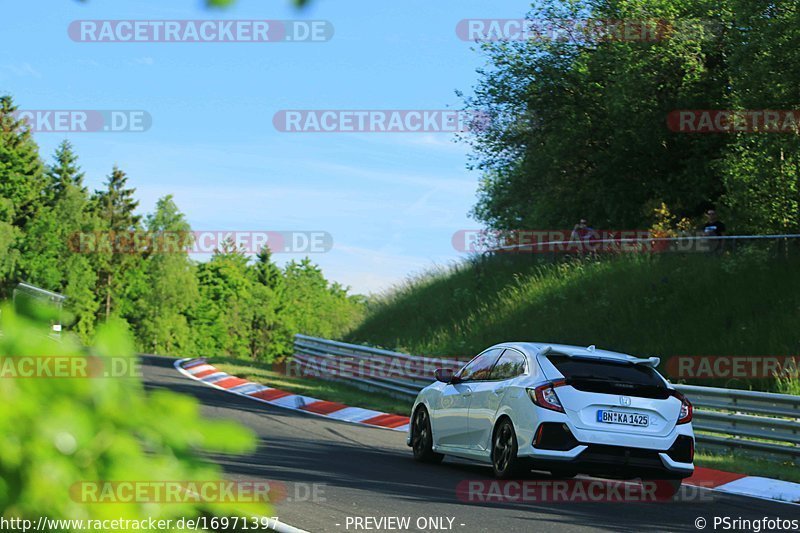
(582, 231)
(714, 227)
(583, 236)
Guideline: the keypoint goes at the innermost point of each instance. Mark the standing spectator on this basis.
(714, 228)
(584, 234)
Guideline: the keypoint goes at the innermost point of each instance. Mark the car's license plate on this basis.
(626, 419)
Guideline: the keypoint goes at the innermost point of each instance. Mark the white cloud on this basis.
(22, 70)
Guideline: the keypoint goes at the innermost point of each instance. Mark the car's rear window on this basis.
(593, 375)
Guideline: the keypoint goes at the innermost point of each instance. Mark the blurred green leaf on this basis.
(56, 433)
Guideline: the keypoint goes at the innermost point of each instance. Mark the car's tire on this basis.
(505, 463)
(422, 438)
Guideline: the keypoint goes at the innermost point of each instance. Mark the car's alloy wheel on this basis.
(505, 462)
(422, 438)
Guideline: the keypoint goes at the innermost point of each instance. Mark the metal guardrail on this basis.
(397, 374)
(755, 423)
(763, 425)
(27, 291)
(683, 243)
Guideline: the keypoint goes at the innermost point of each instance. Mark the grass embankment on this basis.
(664, 305)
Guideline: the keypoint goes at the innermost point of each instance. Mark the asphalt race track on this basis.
(366, 472)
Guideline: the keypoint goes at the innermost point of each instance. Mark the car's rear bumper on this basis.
(608, 452)
(610, 461)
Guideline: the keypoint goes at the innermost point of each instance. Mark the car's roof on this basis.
(533, 349)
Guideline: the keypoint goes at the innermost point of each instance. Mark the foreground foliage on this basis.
(61, 431)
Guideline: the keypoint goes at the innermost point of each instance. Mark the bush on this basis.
(57, 432)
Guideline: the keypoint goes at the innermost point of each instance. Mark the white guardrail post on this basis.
(760, 424)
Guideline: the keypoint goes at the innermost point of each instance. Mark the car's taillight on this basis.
(545, 396)
(686, 407)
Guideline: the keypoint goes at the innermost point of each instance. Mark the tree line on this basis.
(228, 305)
(581, 127)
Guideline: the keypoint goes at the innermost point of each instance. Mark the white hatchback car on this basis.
(563, 409)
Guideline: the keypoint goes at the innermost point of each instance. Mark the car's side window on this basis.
(510, 365)
(480, 368)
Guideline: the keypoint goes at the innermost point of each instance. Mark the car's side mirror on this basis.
(444, 375)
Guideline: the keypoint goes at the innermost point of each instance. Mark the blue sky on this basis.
(391, 201)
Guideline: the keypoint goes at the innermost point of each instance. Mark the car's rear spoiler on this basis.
(652, 362)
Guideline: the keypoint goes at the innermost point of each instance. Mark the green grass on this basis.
(316, 388)
(746, 465)
(663, 304)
